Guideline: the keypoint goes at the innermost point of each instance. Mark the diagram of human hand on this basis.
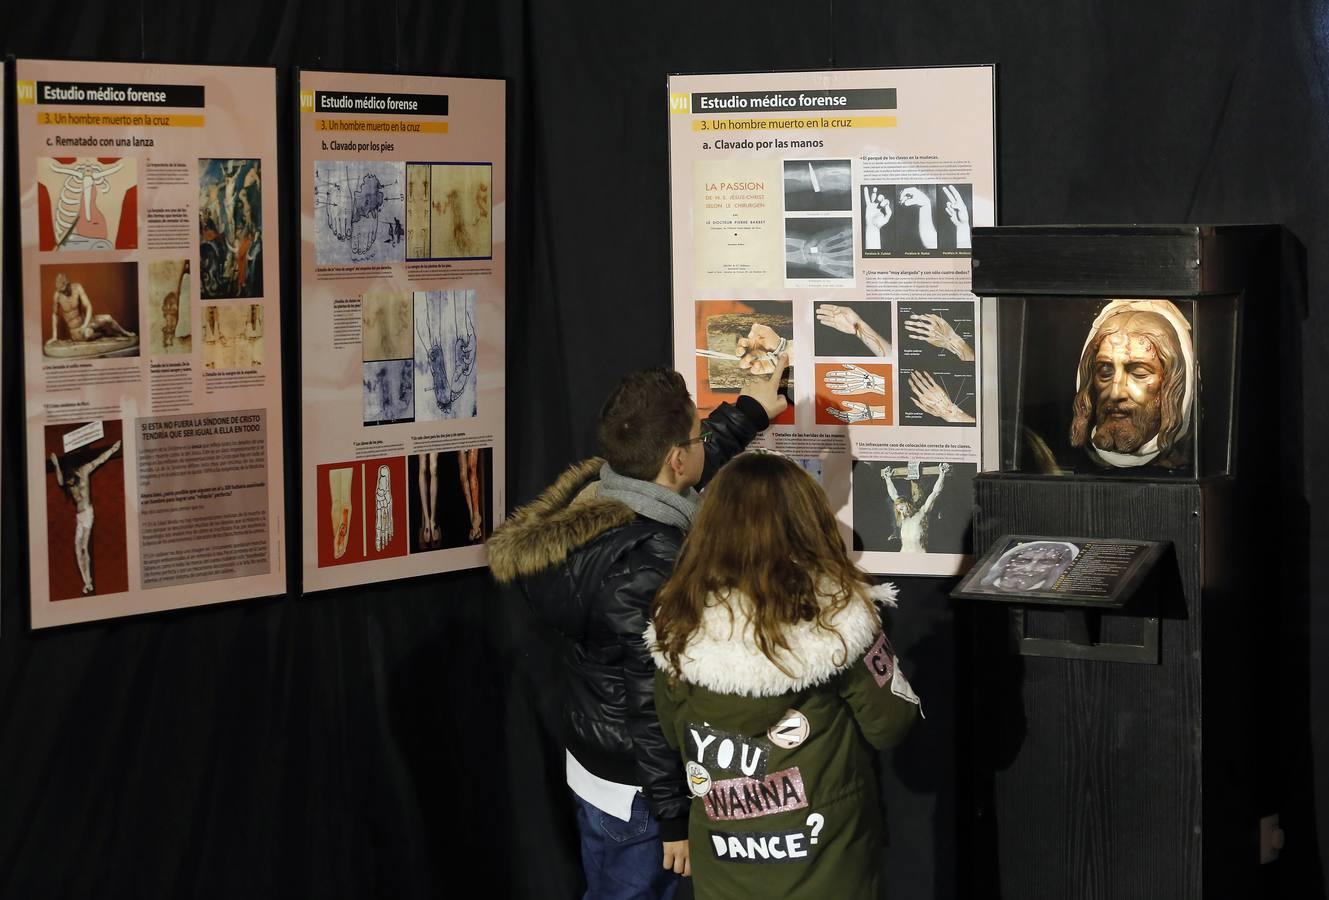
(830, 251)
(927, 231)
(760, 351)
(931, 328)
(876, 216)
(929, 397)
(958, 213)
(841, 318)
(383, 530)
(854, 379)
(856, 412)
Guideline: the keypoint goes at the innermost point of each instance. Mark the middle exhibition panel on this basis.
(402, 185)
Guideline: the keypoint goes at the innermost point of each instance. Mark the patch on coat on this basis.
(880, 661)
(790, 731)
(749, 798)
(901, 688)
(760, 847)
(724, 753)
(699, 780)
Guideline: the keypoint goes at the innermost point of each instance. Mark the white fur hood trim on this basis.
(723, 656)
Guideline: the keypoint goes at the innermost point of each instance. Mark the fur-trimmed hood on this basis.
(568, 515)
(723, 655)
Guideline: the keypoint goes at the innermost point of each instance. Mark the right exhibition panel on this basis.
(829, 214)
(402, 182)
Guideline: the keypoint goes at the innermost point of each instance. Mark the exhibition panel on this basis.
(402, 272)
(829, 215)
(152, 336)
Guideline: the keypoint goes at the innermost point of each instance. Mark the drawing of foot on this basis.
(339, 486)
(364, 231)
(343, 532)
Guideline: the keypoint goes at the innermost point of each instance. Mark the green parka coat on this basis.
(785, 800)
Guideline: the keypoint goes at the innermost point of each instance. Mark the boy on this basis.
(590, 554)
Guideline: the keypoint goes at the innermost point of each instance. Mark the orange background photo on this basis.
(825, 398)
(708, 399)
(364, 484)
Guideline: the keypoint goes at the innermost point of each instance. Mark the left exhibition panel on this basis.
(151, 336)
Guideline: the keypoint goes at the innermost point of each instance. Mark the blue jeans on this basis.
(623, 860)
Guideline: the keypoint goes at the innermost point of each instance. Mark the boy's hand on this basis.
(766, 391)
(676, 857)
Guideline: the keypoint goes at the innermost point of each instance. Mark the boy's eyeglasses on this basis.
(704, 438)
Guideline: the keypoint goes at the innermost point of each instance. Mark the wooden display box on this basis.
(1097, 772)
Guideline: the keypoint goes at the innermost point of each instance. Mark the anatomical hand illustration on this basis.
(876, 215)
(857, 412)
(383, 530)
(845, 320)
(929, 397)
(927, 231)
(933, 329)
(958, 213)
(761, 349)
(854, 379)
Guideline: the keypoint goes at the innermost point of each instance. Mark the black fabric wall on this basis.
(395, 741)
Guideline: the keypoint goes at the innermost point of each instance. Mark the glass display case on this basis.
(1124, 387)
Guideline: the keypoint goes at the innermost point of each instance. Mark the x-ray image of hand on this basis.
(854, 379)
(854, 411)
(958, 213)
(931, 328)
(876, 216)
(829, 250)
(818, 177)
(927, 231)
(929, 397)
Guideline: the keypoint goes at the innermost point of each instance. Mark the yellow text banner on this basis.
(380, 126)
(121, 120)
(817, 122)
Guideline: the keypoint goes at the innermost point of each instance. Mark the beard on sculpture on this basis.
(1124, 426)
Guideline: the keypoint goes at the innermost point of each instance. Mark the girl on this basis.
(775, 680)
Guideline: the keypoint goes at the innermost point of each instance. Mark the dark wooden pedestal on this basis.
(1099, 779)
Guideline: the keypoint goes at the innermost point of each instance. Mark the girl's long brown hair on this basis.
(766, 531)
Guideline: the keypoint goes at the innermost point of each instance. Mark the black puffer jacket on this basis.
(590, 567)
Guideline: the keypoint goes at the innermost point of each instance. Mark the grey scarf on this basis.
(646, 498)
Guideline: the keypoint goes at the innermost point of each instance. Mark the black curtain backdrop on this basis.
(397, 740)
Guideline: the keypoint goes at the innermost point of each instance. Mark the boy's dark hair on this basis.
(646, 415)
